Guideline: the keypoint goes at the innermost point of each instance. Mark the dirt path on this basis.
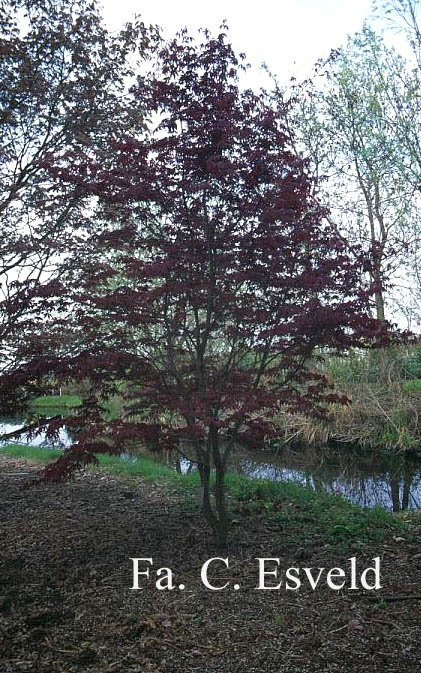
(66, 603)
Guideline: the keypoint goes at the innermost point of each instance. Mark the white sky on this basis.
(288, 35)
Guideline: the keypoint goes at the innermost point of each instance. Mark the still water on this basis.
(365, 479)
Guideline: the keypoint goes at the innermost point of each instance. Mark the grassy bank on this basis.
(298, 514)
(56, 401)
(52, 404)
(384, 390)
(144, 467)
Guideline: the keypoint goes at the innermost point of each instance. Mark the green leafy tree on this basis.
(404, 118)
(350, 123)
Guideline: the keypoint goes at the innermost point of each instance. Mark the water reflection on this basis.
(13, 423)
(365, 479)
(370, 481)
(396, 490)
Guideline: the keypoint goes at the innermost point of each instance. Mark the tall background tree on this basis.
(350, 122)
(404, 109)
(63, 84)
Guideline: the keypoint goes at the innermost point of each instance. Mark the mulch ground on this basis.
(66, 603)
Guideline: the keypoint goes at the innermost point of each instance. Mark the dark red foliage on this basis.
(216, 279)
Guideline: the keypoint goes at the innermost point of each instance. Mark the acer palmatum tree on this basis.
(63, 79)
(216, 279)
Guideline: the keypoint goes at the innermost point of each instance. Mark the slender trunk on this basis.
(205, 496)
(216, 515)
(379, 357)
(380, 313)
(220, 502)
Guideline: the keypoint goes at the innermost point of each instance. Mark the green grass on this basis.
(38, 454)
(413, 386)
(149, 469)
(299, 515)
(312, 517)
(144, 467)
(65, 401)
(52, 404)
(303, 516)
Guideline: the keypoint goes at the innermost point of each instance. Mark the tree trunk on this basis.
(216, 516)
(380, 312)
(220, 502)
(205, 500)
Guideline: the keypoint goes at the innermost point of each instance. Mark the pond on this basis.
(12, 423)
(366, 478)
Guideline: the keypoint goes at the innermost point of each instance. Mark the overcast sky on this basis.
(288, 35)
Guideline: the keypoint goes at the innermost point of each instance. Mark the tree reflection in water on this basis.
(363, 477)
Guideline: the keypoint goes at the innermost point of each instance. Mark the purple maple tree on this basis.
(213, 281)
